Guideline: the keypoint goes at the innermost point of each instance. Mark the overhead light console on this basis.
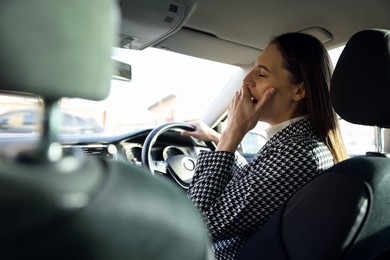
(147, 22)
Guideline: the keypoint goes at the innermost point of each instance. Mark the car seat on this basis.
(345, 212)
(69, 207)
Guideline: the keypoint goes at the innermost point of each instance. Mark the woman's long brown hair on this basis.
(307, 60)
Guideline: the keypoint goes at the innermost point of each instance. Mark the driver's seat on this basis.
(67, 207)
(345, 212)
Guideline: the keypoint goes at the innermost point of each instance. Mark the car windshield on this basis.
(165, 86)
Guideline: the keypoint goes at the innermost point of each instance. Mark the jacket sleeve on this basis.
(213, 172)
(233, 203)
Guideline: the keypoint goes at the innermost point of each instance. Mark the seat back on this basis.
(344, 213)
(68, 207)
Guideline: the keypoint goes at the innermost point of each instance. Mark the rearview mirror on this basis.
(122, 71)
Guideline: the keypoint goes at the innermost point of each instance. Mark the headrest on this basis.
(360, 87)
(56, 48)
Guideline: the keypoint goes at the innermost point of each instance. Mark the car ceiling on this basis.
(235, 32)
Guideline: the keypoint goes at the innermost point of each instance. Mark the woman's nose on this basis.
(248, 80)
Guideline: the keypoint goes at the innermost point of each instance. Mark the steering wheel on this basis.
(181, 167)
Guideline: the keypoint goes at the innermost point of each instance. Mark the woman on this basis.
(289, 89)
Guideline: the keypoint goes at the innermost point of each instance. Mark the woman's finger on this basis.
(266, 97)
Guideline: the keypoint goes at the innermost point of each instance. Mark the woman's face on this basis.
(268, 72)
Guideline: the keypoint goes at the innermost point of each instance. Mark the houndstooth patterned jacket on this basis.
(236, 199)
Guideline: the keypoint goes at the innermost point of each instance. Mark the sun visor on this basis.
(147, 22)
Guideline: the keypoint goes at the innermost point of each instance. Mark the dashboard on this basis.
(169, 154)
(126, 148)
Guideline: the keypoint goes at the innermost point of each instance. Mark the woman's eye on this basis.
(262, 75)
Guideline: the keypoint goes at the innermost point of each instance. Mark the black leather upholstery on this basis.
(344, 213)
(361, 80)
(72, 207)
(102, 210)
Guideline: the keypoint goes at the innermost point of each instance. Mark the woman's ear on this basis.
(299, 92)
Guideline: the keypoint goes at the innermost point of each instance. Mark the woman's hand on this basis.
(243, 115)
(202, 132)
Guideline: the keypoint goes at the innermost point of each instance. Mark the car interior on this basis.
(123, 196)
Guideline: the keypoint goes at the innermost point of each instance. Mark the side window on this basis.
(358, 139)
(80, 122)
(19, 114)
(30, 118)
(67, 120)
(252, 142)
(16, 118)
